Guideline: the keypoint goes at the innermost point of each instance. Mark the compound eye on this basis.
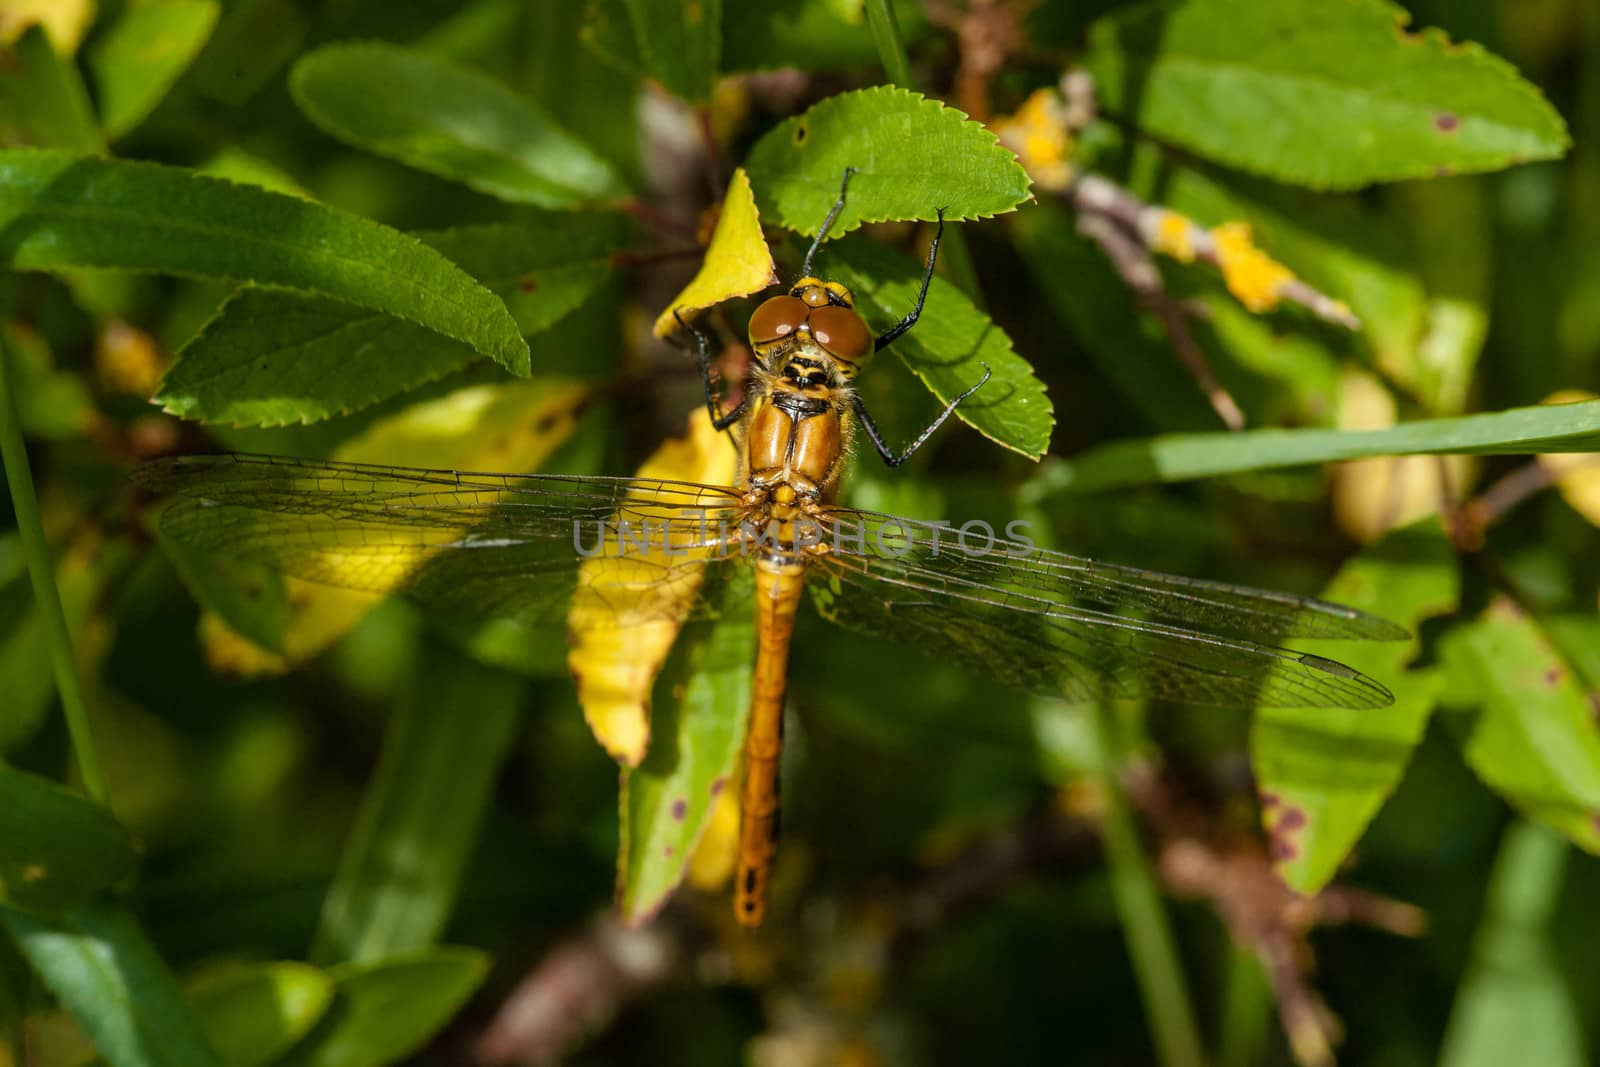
(777, 318)
(841, 333)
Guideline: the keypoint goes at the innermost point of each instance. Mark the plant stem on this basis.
(41, 572)
(1246, 1010)
(1144, 922)
(891, 50)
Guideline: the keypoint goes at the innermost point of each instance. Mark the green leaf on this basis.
(1532, 737)
(401, 869)
(679, 44)
(667, 801)
(98, 963)
(272, 358)
(57, 850)
(253, 599)
(59, 211)
(948, 345)
(43, 101)
(142, 53)
(256, 1012)
(383, 1012)
(912, 157)
(1451, 229)
(1327, 95)
(1324, 774)
(1179, 457)
(449, 121)
(1514, 1004)
(254, 40)
(1128, 347)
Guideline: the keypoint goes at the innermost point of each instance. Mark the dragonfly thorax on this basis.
(798, 427)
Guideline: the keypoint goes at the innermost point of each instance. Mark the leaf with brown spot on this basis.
(1323, 774)
(1526, 725)
(1326, 95)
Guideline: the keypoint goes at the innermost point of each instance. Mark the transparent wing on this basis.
(1066, 626)
(473, 546)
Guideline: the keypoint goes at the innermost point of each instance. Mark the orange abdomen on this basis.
(777, 599)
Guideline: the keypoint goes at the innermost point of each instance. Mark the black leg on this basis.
(927, 278)
(876, 438)
(827, 223)
(719, 420)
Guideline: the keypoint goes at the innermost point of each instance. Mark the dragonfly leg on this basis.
(888, 338)
(719, 419)
(827, 223)
(889, 457)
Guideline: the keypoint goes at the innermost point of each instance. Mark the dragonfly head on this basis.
(819, 311)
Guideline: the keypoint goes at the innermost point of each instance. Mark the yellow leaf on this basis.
(1373, 496)
(738, 261)
(615, 666)
(127, 360)
(512, 427)
(66, 21)
(1577, 474)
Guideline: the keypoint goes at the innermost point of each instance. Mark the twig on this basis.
(577, 988)
(1096, 194)
(1272, 921)
(714, 159)
(1138, 269)
(647, 214)
(1475, 517)
(987, 33)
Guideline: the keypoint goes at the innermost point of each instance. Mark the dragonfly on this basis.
(523, 547)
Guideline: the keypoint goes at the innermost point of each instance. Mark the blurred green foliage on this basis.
(340, 833)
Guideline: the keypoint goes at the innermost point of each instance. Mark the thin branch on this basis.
(577, 988)
(1475, 517)
(1096, 194)
(1138, 269)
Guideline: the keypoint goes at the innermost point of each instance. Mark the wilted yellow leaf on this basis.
(616, 666)
(1577, 474)
(1373, 496)
(126, 359)
(510, 427)
(738, 261)
(66, 21)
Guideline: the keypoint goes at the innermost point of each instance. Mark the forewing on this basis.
(1054, 624)
(1040, 574)
(472, 546)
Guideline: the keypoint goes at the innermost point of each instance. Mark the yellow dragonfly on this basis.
(610, 553)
